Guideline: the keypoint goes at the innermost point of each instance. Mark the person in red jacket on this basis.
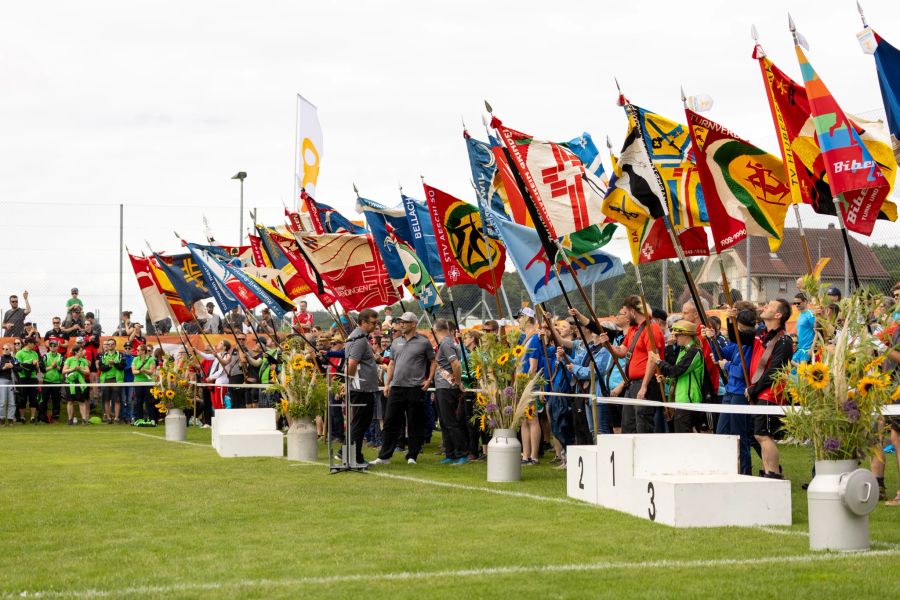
(771, 355)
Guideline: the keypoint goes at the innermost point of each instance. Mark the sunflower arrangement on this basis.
(505, 393)
(837, 399)
(303, 389)
(174, 387)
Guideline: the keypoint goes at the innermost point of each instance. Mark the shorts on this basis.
(893, 423)
(767, 425)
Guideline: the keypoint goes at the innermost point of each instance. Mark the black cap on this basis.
(833, 291)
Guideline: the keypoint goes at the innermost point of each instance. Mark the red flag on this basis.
(352, 267)
(295, 257)
(467, 255)
(567, 197)
(157, 307)
(653, 242)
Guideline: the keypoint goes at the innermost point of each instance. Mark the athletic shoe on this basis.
(460, 461)
(205, 426)
(446, 461)
(889, 449)
(71, 421)
(533, 461)
(526, 461)
(410, 461)
(381, 461)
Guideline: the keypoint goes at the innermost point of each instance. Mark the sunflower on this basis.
(284, 405)
(503, 359)
(896, 395)
(163, 409)
(182, 382)
(170, 394)
(171, 378)
(297, 363)
(285, 346)
(482, 420)
(480, 400)
(529, 412)
(518, 351)
(478, 372)
(874, 363)
(287, 379)
(796, 398)
(816, 375)
(868, 384)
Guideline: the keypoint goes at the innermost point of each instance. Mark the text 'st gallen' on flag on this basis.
(745, 189)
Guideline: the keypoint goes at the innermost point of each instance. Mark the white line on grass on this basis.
(158, 437)
(478, 488)
(424, 575)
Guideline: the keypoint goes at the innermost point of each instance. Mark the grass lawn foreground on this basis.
(110, 511)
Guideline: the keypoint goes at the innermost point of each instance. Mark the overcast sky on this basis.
(155, 105)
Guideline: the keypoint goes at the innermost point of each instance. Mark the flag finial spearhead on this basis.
(608, 143)
(356, 190)
(487, 107)
(862, 15)
(683, 97)
(754, 33)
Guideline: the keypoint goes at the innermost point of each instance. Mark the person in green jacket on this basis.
(76, 370)
(683, 367)
(52, 369)
(27, 369)
(111, 365)
(144, 368)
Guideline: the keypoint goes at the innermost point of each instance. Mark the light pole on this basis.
(241, 175)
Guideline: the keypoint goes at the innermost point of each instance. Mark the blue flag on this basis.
(422, 232)
(484, 175)
(214, 276)
(334, 222)
(378, 217)
(583, 147)
(185, 276)
(537, 273)
(887, 61)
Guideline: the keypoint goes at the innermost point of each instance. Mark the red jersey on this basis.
(637, 366)
(303, 321)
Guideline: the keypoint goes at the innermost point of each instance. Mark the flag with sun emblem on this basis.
(418, 280)
(467, 255)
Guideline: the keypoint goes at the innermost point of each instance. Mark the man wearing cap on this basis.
(74, 323)
(683, 366)
(28, 365)
(833, 295)
(362, 371)
(411, 369)
(52, 370)
(74, 301)
(14, 318)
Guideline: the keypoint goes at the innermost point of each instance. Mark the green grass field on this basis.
(103, 512)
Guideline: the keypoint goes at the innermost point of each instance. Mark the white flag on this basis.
(310, 147)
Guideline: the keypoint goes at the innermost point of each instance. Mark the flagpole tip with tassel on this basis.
(861, 13)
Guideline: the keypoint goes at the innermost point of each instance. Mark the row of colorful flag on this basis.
(551, 207)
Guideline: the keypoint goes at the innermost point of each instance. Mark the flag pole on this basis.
(725, 287)
(462, 345)
(803, 241)
(838, 199)
(679, 251)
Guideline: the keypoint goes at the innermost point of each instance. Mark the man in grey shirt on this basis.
(409, 374)
(14, 318)
(212, 323)
(362, 383)
(448, 389)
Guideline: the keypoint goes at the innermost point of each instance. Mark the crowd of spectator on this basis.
(404, 384)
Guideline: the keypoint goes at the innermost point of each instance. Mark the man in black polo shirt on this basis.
(57, 334)
(409, 375)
